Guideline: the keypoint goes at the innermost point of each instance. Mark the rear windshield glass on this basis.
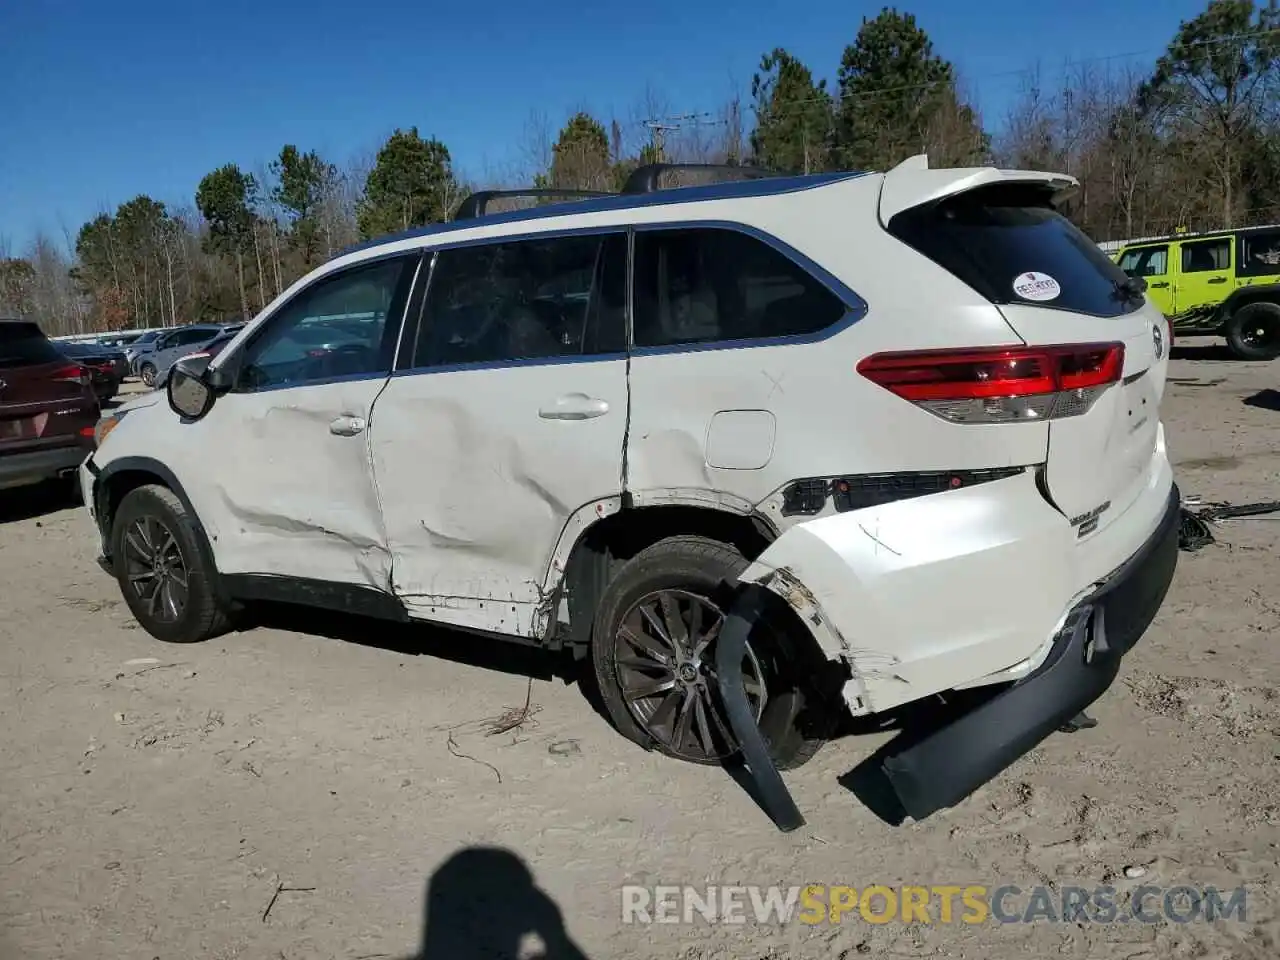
(23, 344)
(1012, 247)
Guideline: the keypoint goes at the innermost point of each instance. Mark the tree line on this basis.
(1191, 143)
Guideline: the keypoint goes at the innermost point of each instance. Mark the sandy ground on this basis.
(154, 798)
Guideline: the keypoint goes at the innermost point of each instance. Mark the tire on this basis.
(152, 519)
(690, 570)
(1253, 331)
(147, 373)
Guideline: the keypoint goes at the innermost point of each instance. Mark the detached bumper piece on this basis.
(954, 761)
(950, 763)
(771, 793)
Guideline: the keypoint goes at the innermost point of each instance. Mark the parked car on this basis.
(120, 339)
(48, 409)
(210, 350)
(169, 346)
(107, 367)
(142, 345)
(906, 426)
(1223, 284)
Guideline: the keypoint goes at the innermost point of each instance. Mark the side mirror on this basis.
(190, 396)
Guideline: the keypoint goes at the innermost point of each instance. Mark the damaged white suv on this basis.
(915, 414)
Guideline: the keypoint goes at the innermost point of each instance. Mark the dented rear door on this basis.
(506, 415)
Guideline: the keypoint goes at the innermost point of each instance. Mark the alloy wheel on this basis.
(665, 654)
(155, 568)
(1263, 333)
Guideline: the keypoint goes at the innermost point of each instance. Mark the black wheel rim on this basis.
(156, 570)
(1262, 333)
(665, 655)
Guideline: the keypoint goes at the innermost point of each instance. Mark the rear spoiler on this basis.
(912, 184)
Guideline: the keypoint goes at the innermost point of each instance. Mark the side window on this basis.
(706, 284)
(522, 300)
(1146, 262)
(343, 325)
(186, 337)
(1261, 254)
(1202, 256)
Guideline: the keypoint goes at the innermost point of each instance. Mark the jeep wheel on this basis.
(1253, 332)
(148, 374)
(653, 650)
(161, 567)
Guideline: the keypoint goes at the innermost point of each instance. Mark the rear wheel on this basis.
(1253, 331)
(160, 565)
(653, 651)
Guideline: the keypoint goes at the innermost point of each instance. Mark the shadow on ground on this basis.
(25, 503)
(483, 904)
(1201, 351)
(1264, 400)
(413, 639)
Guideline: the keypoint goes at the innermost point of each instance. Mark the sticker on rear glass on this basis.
(1036, 286)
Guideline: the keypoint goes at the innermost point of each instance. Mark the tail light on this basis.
(1000, 384)
(74, 373)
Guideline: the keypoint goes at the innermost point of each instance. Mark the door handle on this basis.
(347, 426)
(1156, 286)
(1218, 280)
(574, 406)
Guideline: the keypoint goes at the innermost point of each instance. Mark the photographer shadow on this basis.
(483, 904)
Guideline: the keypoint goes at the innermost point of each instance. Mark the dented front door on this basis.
(507, 415)
(282, 461)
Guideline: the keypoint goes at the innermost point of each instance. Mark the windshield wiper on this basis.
(1130, 288)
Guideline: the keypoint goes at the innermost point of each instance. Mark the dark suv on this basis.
(48, 409)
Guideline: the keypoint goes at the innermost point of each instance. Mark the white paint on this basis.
(924, 595)
(1038, 287)
(477, 483)
(741, 439)
(466, 490)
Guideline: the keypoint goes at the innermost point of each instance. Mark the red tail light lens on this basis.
(993, 385)
(74, 373)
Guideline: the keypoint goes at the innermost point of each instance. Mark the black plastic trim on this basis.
(646, 179)
(349, 598)
(477, 204)
(743, 611)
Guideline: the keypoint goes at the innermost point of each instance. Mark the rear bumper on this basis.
(950, 764)
(20, 469)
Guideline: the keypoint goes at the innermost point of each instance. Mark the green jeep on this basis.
(1224, 284)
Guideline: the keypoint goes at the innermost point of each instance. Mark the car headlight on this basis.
(105, 425)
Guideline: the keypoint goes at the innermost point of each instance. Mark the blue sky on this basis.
(105, 100)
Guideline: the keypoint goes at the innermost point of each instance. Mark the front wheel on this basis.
(653, 652)
(1253, 331)
(148, 374)
(162, 571)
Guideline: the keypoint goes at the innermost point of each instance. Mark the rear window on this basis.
(1011, 246)
(24, 344)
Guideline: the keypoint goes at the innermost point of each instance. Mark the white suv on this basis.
(915, 414)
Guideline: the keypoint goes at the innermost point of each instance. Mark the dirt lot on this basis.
(153, 798)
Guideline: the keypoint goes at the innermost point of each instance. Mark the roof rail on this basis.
(476, 203)
(645, 179)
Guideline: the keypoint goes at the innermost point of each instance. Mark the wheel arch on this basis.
(601, 536)
(1243, 296)
(114, 481)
